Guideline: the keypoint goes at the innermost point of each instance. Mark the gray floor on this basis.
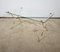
(23, 37)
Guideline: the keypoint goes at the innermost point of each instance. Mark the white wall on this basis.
(39, 8)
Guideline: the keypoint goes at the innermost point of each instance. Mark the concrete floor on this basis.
(23, 37)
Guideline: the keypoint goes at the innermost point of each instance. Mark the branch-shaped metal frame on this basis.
(41, 21)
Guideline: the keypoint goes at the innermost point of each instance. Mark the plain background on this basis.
(30, 8)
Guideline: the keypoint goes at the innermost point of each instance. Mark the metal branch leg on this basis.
(16, 24)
